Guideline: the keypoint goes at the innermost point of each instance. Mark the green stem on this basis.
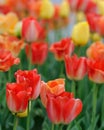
(28, 117)
(102, 118)
(61, 126)
(30, 58)
(9, 75)
(73, 87)
(15, 122)
(53, 127)
(94, 103)
(61, 69)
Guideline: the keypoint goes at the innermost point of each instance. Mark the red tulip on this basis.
(55, 87)
(96, 70)
(62, 48)
(39, 52)
(83, 5)
(4, 9)
(63, 108)
(76, 68)
(92, 19)
(7, 60)
(17, 97)
(31, 79)
(31, 29)
(91, 6)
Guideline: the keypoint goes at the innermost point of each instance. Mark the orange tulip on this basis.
(11, 43)
(100, 26)
(96, 51)
(55, 87)
(76, 68)
(7, 60)
(63, 108)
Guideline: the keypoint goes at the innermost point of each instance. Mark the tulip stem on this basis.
(94, 103)
(61, 126)
(53, 127)
(73, 87)
(9, 75)
(28, 117)
(15, 122)
(30, 59)
(61, 69)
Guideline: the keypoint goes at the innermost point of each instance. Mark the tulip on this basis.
(83, 5)
(80, 16)
(39, 52)
(17, 97)
(81, 33)
(75, 5)
(62, 48)
(55, 87)
(64, 9)
(8, 23)
(11, 43)
(17, 29)
(63, 108)
(31, 29)
(95, 37)
(96, 51)
(4, 9)
(7, 60)
(96, 70)
(100, 26)
(100, 4)
(31, 79)
(76, 68)
(92, 19)
(46, 9)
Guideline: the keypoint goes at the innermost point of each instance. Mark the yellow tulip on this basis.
(95, 37)
(64, 9)
(100, 4)
(81, 33)
(80, 16)
(46, 9)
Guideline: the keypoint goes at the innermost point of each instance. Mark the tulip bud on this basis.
(80, 16)
(64, 9)
(46, 10)
(17, 29)
(95, 37)
(30, 29)
(81, 33)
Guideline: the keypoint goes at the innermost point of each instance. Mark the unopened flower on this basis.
(81, 33)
